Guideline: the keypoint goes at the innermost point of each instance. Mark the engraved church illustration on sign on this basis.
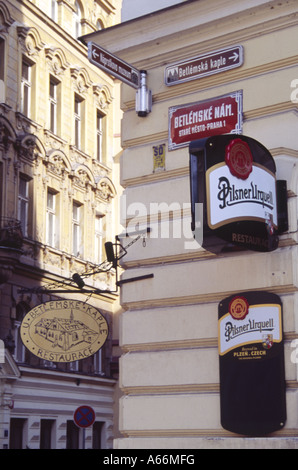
(65, 333)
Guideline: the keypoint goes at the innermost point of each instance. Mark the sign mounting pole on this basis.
(125, 72)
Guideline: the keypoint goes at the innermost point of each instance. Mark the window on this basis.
(78, 109)
(72, 435)
(26, 88)
(52, 225)
(99, 136)
(99, 238)
(2, 70)
(46, 431)
(74, 366)
(99, 25)
(23, 204)
(77, 20)
(97, 430)
(20, 352)
(17, 431)
(97, 362)
(1, 183)
(77, 229)
(53, 101)
(54, 10)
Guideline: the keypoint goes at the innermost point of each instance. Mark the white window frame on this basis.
(74, 366)
(97, 362)
(2, 70)
(77, 17)
(19, 352)
(77, 229)
(78, 121)
(23, 205)
(99, 237)
(53, 103)
(54, 10)
(26, 89)
(99, 136)
(52, 226)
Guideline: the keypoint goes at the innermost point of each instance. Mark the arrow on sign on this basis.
(94, 54)
(234, 57)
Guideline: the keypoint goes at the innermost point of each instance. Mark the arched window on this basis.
(99, 25)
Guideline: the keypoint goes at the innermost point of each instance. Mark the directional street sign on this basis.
(84, 416)
(204, 65)
(113, 65)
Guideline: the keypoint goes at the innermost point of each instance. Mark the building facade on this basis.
(169, 370)
(59, 151)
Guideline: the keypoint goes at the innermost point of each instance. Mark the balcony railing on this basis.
(11, 235)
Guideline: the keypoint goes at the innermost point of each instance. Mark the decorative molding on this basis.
(103, 96)
(195, 343)
(81, 79)
(171, 345)
(58, 163)
(29, 147)
(170, 389)
(30, 40)
(206, 433)
(56, 59)
(197, 299)
(7, 19)
(106, 189)
(222, 79)
(156, 177)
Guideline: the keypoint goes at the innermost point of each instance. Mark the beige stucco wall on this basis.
(169, 371)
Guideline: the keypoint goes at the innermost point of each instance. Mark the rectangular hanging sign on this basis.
(220, 115)
(204, 65)
(114, 66)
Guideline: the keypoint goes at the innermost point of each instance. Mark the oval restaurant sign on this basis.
(251, 363)
(64, 330)
(220, 115)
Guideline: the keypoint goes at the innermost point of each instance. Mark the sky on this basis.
(134, 8)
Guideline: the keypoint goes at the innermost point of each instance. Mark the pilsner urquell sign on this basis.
(233, 176)
(251, 363)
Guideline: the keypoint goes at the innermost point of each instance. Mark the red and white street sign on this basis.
(220, 115)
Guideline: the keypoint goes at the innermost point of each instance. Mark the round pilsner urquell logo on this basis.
(64, 330)
(238, 308)
(239, 158)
